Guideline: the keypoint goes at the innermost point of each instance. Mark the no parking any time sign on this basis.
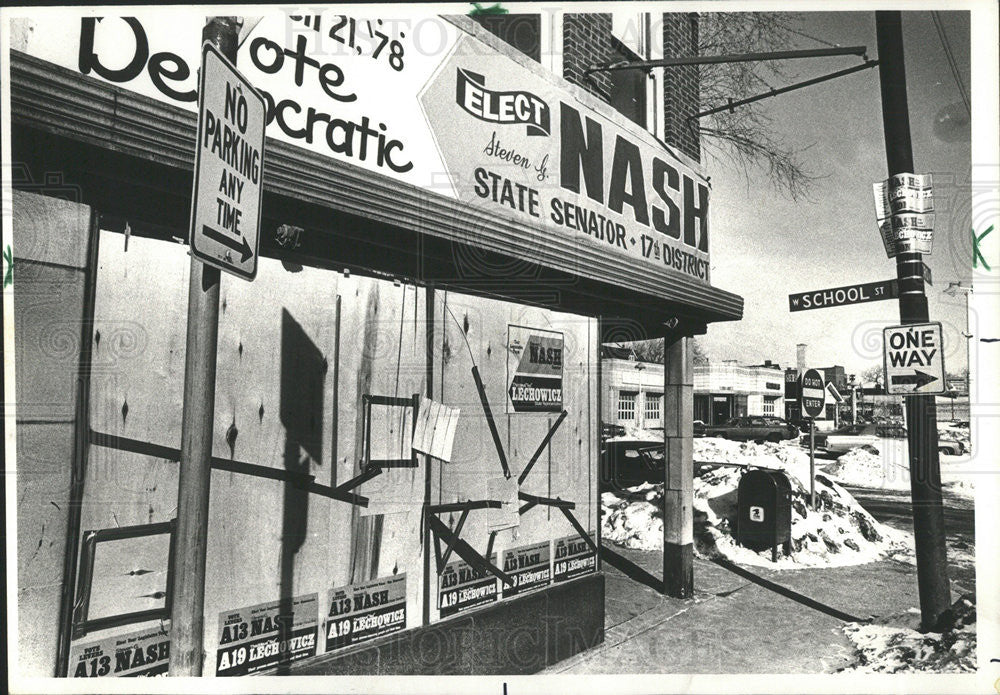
(914, 360)
(229, 167)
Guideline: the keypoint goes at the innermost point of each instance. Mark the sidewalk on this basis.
(741, 620)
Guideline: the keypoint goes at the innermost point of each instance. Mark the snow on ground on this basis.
(894, 645)
(885, 467)
(839, 533)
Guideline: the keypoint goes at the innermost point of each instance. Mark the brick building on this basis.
(659, 99)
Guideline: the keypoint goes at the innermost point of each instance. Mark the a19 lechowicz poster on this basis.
(143, 652)
(572, 557)
(256, 638)
(360, 612)
(462, 587)
(529, 566)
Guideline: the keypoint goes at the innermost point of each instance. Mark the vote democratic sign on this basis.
(429, 100)
(914, 359)
(842, 296)
(813, 393)
(228, 171)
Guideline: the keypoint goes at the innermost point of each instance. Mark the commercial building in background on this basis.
(451, 213)
(633, 390)
(725, 389)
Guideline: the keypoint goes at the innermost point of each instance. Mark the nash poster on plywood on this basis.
(534, 370)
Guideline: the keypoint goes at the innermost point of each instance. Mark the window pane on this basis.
(626, 405)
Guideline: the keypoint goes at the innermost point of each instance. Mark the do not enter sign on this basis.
(914, 362)
(813, 393)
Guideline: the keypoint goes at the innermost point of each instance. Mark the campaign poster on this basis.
(572, 558)
(529, 566)
(257, 638)
(141, 653)
(462, 587)
(534, 370)
(364, 611)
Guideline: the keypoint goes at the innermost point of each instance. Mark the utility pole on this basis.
(921, 411)
(188, 602)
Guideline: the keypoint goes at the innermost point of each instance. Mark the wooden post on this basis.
(678, 488)
(428, 461)
(187, 619)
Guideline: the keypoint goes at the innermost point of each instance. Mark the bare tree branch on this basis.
(743, 137)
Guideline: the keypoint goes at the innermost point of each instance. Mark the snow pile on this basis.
(886, 648)
(840, 532)
(866, 466)
(633, 518)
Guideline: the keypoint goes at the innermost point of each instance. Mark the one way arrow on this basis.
(227, 240)
(918, 378)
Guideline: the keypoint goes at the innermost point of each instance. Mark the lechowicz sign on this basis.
(257, 638)
(360, 612)
(536, 358)
(417, 98)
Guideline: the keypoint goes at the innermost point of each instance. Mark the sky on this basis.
(766, 246)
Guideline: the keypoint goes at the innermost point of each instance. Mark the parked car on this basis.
(699, 428)
(608, 431)
(756, 428)
(840, 441)
(954, 447)
(626, 463)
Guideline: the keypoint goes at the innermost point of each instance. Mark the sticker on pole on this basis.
(812, 393)
(914, 359)
(904, 205)
(228, 170)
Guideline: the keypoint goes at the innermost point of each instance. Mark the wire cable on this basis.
(952, 63)
(808, 36)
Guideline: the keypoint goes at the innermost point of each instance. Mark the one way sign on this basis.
(914, 361)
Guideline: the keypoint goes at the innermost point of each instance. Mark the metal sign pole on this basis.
(921, 411)
(187, 613)
(812, 463)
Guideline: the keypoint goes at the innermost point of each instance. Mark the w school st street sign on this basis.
(843, 296)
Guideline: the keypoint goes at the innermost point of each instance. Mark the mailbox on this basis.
(764, 502)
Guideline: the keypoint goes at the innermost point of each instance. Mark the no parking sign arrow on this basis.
(914, 361)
